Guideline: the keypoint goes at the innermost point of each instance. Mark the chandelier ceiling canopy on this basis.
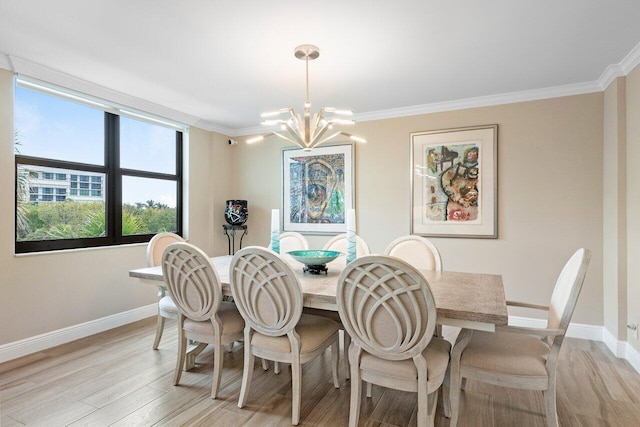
(307, 131)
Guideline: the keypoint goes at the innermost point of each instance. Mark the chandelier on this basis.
(307, 132)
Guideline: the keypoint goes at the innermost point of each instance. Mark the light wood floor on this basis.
(114, 378)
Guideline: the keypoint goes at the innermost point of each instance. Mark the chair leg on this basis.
(265, 365)
(276, 367)
(247, 373)
(182, 352)
(296, 390)
(356, 392)
(347, 343)
(159, 329)
(423, 404)
(369, 389)
(335, 350)
(550, 406)
(446, 395)
(217, 367)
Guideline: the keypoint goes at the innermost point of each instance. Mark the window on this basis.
(124, 170)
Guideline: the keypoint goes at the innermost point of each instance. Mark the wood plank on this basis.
(114, 378)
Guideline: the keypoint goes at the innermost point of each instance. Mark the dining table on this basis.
(471, 301)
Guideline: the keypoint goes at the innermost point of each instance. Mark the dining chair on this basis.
(269, 298)
(417, 251)
(166, 307)
(387, 308)
(292, 241)
(420, 253)
(339, 243)
(203, 317)
(521, 357)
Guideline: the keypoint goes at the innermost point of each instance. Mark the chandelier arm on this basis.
(329, 138)
(317, 118)
(295, 135)
(317, 137)
(278, 134)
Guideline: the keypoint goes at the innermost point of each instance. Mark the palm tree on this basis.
(22, 193)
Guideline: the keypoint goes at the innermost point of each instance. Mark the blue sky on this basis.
(54, 128)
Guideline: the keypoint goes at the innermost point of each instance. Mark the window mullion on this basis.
(114, 192)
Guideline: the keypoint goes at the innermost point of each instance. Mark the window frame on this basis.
(111, 187)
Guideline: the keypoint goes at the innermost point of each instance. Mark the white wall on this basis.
(633, 203)
(40, 293)
(549, 192)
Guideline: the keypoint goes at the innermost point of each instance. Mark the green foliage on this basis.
(71, 219)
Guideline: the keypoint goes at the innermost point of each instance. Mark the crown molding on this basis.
(5, 62)
(482, 101)
(621, 69)
(23, 66)
(214, 127)
(50, 75)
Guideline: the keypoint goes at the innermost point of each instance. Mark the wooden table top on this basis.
(462, 299)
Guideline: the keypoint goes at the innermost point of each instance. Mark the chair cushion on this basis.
(167, 306)
(436, 353)
(313, 331)
(506, 352)
(232, 322)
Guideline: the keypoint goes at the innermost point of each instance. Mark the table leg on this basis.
(454, 383)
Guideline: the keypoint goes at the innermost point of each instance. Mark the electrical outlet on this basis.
(633, 329)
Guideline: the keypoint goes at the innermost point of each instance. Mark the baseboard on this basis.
(41, 342)
(576, 330)
(618, 348)
(633, 357)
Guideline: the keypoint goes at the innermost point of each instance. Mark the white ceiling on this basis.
(224, 62)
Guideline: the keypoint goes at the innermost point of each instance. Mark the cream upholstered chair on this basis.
(417, 251)
(292, 241)
(387, 307)
(194, 284)
(519, 357)
(269, 298)
(339, 243)
(420, 253)
(166, 307)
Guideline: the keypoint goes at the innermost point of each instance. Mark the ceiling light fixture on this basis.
(307, 132)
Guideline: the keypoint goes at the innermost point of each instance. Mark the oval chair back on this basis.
(157, 244)
(339, 243)
(192, 281)
(266, 291)
(567, 290)
(386, 306)
(417, 251)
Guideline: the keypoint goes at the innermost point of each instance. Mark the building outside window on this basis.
(100, 203)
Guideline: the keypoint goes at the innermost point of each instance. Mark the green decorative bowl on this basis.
(314, 257)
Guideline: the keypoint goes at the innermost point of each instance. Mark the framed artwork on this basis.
(317, 189)
(454, 182)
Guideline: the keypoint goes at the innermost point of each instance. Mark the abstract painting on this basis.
(454, 182)
(317, 188)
